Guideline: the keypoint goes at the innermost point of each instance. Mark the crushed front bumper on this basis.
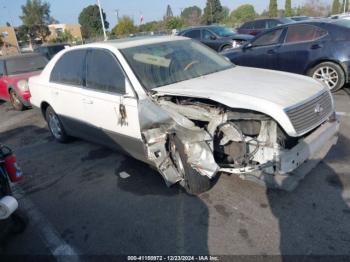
(293, 165)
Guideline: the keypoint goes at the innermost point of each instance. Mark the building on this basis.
(9, 40)
(57, 29)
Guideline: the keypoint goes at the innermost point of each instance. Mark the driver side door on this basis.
(263, 52)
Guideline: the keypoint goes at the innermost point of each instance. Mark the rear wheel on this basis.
(329, 73)
(193, 182)
(55, 126)
(15, 101)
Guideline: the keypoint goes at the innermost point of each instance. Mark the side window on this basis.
(272, 23)
(103, 72)
(269, 38)
(195, 34)
(248, 25)
(2, 68)
(207, 35)
(69, 68)
(304, 33)
(260, 24)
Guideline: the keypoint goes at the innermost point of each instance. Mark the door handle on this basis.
(56, 93)
(316, 46)
(271, 52)
(88, 101)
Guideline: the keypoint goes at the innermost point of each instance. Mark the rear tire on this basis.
(15, 101)
(193, 182)
(55, 126)
(329, 73)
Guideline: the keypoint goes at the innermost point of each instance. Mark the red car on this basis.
(14, 73)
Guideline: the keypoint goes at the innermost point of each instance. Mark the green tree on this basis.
(288, 8)
(191, 15)
(225, 12)
(345, 6)
(64, 37)
(273, 8)
(212, 12)
(125, 26)
(149, 27)
(242, 14)
(335, 7)
(174, 23)
(90, 21)
(36, 17)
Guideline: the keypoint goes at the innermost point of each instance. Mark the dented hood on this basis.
(250, 88)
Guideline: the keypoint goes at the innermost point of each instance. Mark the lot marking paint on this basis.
(51, 238)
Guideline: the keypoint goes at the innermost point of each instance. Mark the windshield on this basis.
(222, 31)
(25, 64)
(169, 62)
(343, 22)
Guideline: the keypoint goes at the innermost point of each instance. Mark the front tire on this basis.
(329, 73)
(193, 182)
(55, 126)
(15, 101)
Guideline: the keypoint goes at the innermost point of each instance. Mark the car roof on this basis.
(15, 56)
(56, 44)
(133, 41)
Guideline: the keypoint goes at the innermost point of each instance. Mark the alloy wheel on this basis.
(55, 125)
(327, 75)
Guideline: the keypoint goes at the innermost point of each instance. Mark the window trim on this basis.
(83, 68)
(121, 67)
(306, 41)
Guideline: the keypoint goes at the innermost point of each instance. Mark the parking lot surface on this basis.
(85, 199)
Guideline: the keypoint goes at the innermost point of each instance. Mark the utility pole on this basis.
(102, 21)
(117, 14)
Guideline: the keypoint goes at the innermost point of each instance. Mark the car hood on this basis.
(266, 91)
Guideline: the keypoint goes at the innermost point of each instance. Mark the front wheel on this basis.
(193, 182)
(55, 126)
(329, 73)
(15, 101)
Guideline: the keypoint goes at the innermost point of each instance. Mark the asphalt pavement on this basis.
(84, 199)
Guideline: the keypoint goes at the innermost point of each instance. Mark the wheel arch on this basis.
(342, 66)
(43, 107)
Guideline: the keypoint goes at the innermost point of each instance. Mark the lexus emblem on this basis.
(318, 109)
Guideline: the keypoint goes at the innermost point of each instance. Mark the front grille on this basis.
(312, 113)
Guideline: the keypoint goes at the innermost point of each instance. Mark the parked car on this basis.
(300, 18)
(257, 26)
(341, 16)
(184, 109)
(317, 48)
(218, 38)
(14, 73)
(49, 50)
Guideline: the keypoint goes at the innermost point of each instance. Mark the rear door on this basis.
(263, 52)
(303, 43)
(66, 82)
(3, 85)
(110, 105)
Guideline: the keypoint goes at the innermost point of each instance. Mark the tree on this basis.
(169, 12)
(174, 23)
(36, 17)
(335, 7)
(314, 8)
(288, 8)
(345, 6)
(191, 15)
(242, 14)
(212, 12)
(149, 27)
(273, 8)
(225, 12)
(64, 37)
(125, 26)
(90, 21)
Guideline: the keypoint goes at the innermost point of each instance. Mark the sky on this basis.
(67, 11)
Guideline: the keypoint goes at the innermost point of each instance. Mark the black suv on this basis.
(257, 26)
(50, 50)
(219, 38)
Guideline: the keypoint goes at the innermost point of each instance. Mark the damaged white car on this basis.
(175, 104)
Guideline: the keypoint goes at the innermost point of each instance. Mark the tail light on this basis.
(10, 163)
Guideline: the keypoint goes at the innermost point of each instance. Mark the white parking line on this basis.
(51, 238)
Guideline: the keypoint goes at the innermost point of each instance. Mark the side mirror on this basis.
(212, 37)
(247, 46)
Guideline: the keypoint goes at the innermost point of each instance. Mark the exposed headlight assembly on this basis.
(23, 85)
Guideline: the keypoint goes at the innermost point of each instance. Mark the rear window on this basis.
(304, 33)
(25, 64)
(343, 23)
(195, 34)
(248, 25)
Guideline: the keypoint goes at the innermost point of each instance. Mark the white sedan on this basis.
(175, 104)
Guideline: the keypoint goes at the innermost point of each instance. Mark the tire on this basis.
(15, 101)
(193, 182)
(55, 126)
(329, 73)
